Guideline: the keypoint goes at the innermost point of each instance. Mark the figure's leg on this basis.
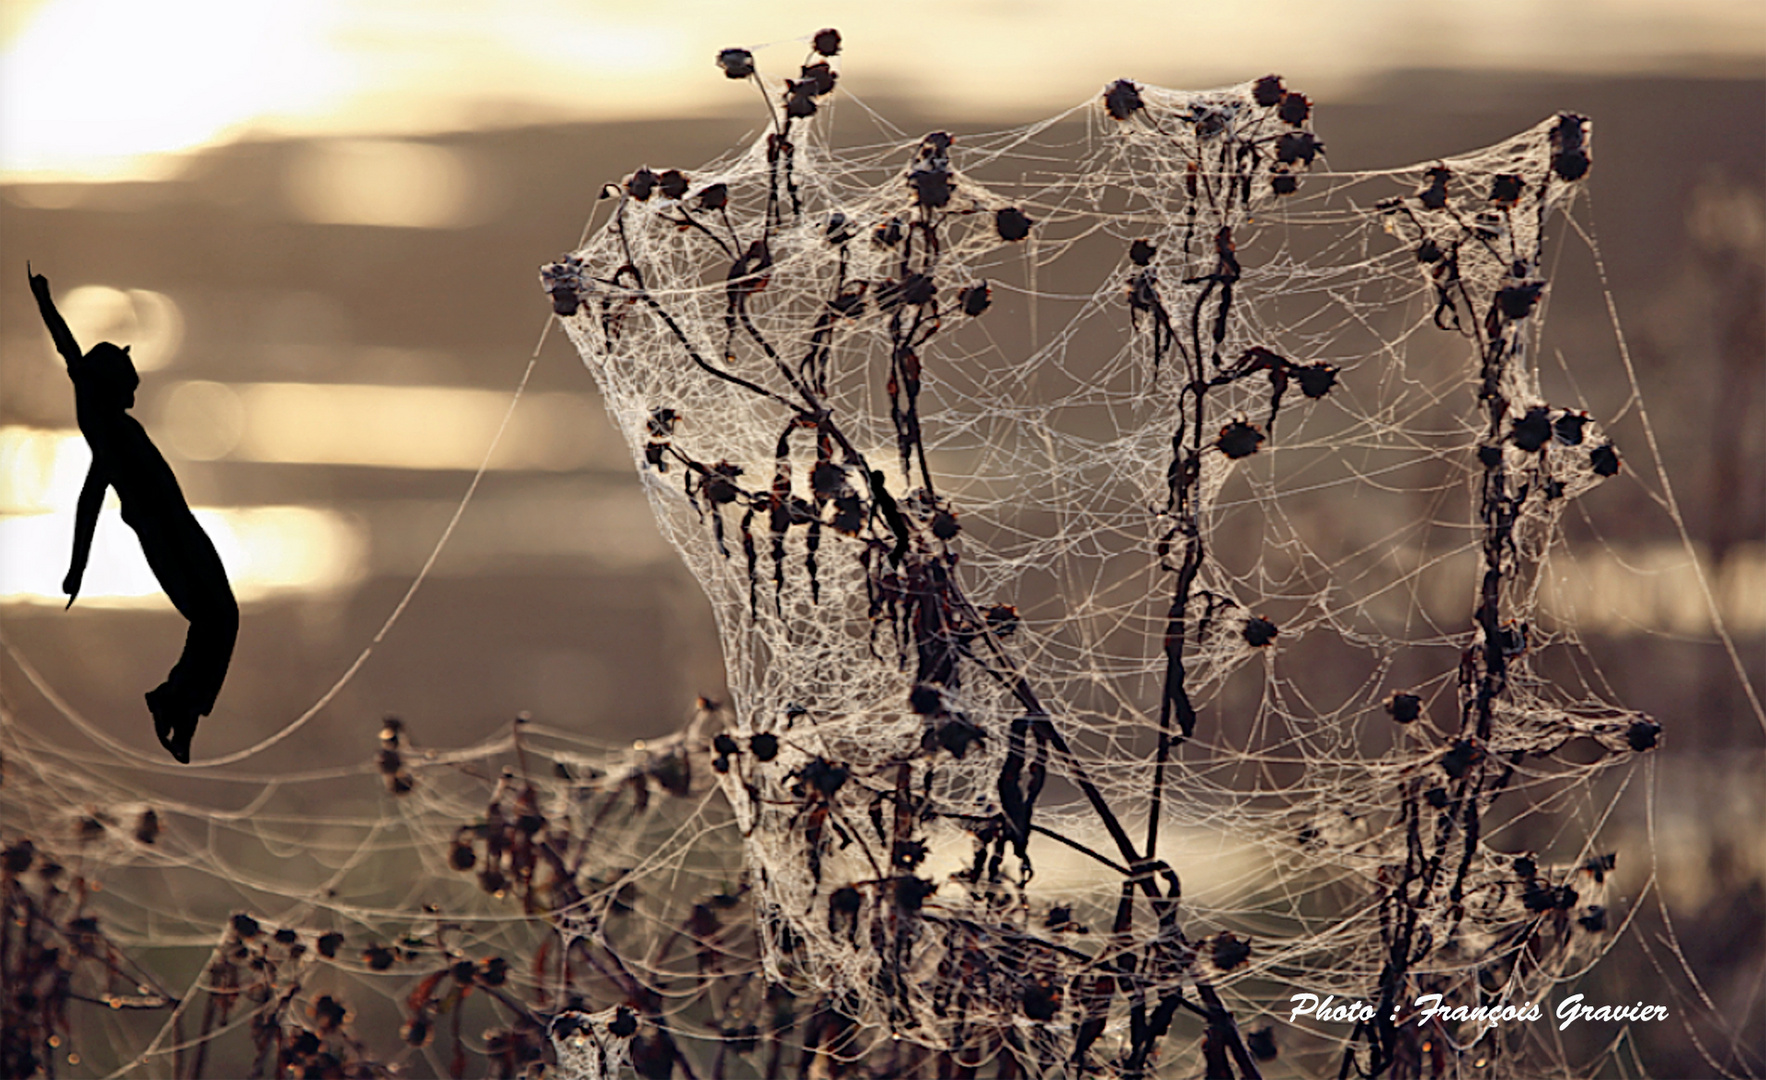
(208, 650)
(189, 692)
(196, 582)
(170, 718)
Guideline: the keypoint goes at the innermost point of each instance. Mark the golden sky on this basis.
(97, 89)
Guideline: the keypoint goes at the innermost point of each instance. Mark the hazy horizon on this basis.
(104, 89)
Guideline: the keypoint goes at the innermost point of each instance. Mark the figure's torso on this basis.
(144, 482)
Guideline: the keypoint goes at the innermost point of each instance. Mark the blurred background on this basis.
(318, 223)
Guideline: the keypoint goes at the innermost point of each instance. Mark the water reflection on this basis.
(268, 550)
(1623, 590)
(1617, 591)
(400, 427)
(203, 420)
(149, 322)
(383, 182)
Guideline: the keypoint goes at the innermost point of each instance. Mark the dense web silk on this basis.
(1079, 494)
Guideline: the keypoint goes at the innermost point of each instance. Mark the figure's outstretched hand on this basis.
(64, 338)
(40, 289)
(71, 586)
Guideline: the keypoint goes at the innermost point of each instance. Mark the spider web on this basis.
(1129, 540)
(990, 597)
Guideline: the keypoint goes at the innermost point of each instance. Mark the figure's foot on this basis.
(174, 721)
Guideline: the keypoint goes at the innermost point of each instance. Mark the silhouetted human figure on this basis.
(180, 553)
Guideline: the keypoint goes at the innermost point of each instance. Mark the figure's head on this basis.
(107, 372)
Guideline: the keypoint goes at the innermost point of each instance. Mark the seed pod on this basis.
(737, 63)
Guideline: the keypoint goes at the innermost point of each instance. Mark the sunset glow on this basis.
(110, 89)
(93, 89)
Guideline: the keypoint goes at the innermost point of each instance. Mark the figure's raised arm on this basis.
(64, 338)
